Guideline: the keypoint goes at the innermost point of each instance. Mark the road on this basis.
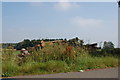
(98, 73)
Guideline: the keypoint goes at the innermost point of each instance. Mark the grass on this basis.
(52, 59)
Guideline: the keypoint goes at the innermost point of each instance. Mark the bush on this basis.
(110, 52)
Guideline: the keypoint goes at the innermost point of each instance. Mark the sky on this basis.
(90, 21)
(119, 27)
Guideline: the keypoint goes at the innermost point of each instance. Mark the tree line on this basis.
(31, 43)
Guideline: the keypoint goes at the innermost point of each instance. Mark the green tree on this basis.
(24, 44)
(108, 45)
(81, 42)
(76, 39)
(65, 39)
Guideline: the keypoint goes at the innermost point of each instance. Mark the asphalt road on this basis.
(100, 73)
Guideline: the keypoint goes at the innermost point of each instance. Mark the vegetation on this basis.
(8, 45)
(30, 43)
(55, 59)
(108, 45)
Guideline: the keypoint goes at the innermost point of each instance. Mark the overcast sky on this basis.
(90, 21)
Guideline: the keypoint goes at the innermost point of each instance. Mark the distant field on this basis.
(14, 51)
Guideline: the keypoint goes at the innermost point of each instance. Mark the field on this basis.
(55, 59)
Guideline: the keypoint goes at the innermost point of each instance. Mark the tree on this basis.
(24, 44)
(76, 39)
(108, 45)
(81, 42)
(65, 39)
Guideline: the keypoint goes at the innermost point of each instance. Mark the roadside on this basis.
(96, 73)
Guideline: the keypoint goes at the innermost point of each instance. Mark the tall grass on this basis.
(52, 59)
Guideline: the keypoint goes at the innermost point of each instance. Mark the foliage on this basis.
(52, 59)
(31, 43)
(108, 45)
(106, 52)
(8, 45)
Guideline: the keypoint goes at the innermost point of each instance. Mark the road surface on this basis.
(98, 73)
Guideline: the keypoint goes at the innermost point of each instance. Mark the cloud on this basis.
(65, 6)
(86, 22)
